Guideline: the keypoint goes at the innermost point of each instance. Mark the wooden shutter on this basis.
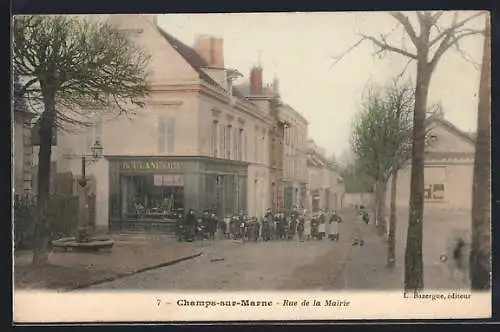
(161, 134)
(170, 135)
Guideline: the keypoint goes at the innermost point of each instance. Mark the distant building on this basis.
(287, 146)
(326, 186)
(22, 150)
(449, 169)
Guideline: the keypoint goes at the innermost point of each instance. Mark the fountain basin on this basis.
(95, 244)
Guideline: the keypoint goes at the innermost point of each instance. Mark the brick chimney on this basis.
(211, 49)
(256, 81)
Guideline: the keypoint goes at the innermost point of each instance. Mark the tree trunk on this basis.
(391, 248)
(480, 265)
(40, 253)
(381, 201)
(414, 269)
(375, 203)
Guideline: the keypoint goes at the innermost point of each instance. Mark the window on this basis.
(438, 191)
(228, 142)
(236, 144)
(263, 149)
(214, 140)
(94, 132)
(240, 144)
(166, 134)
(222, 141)
(256, 145)
(434, 191)
(244, 144)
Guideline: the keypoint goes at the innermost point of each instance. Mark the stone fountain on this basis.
(85, 241)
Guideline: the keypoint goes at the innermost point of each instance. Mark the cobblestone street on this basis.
(310, 265)
(231, 265)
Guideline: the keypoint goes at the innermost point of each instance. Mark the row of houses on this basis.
(202, 140)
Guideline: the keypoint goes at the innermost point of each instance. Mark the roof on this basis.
(450, 126)
(316, 159)
(196, 61)
(192, 57)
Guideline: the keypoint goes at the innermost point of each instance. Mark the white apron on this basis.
(333, 228)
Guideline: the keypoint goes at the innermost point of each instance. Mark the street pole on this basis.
(83, 231)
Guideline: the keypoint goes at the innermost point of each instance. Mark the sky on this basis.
(298, 49)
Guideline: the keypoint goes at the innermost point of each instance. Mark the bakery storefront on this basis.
(149, 189)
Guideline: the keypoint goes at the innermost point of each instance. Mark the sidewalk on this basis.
(365, 268)
(67, 271)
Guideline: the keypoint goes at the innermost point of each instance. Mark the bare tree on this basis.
(71, 65)
(430, 41)
(480, 264)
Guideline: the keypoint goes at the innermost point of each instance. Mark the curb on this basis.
(126, 274)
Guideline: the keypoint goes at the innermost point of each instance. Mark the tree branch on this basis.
(449, 41)
(456, 25)
(386, 47)
(339, 57)
(405, 22)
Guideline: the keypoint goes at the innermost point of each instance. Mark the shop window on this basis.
(151, 196)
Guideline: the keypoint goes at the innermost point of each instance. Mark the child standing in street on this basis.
(333, 229)
(358, 233)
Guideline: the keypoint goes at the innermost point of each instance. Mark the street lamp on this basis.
(83, 233)
(96, 150)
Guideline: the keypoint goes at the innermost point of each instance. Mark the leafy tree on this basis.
(381, 137)
(70, 65)
(432, 34)
(480, 259)
(356, 180)
(400, 102)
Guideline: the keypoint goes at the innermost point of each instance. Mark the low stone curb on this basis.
(126, 274)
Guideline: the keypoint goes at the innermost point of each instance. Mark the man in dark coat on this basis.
(190, 224)
(207, 222)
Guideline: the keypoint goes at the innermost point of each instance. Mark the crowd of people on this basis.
(296, 224)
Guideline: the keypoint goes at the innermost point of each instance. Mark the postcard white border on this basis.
(137, 306)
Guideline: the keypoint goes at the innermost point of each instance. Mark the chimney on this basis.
(256, 81)
(276, 87)
(211, 49)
